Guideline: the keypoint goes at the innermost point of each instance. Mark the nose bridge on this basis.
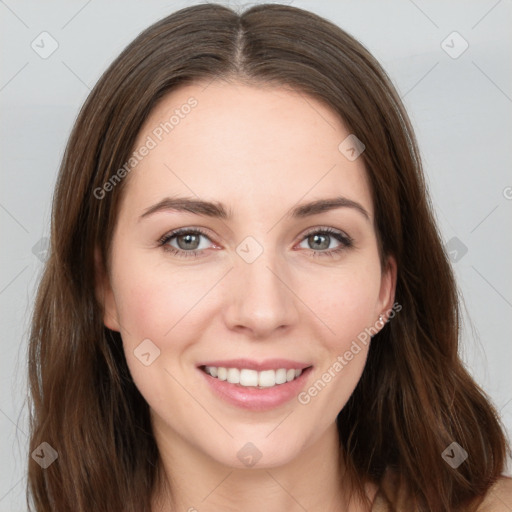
(261, 300)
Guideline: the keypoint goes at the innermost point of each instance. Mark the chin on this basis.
(256, 452)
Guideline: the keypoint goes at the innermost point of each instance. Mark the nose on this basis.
(261, 296)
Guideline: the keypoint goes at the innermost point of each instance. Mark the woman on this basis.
(193, 347)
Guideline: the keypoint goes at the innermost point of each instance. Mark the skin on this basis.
(260, 151)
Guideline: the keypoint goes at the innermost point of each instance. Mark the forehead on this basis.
(245, 146)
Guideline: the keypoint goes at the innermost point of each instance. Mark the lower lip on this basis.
(256, 399)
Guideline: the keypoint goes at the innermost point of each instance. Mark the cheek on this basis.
(346, 301)
(145, 311)
(151, 300)
(150, 304)
(347, 305)
(163, 306)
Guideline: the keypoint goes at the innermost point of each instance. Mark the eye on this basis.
(321, 238)
(188, 242)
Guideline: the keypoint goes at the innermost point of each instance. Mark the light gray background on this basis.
(460, 107)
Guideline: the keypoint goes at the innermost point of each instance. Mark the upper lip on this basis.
(251, 364)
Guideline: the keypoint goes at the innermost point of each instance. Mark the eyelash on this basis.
(345, 240)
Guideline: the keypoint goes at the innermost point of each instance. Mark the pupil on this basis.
(325, 245)
(188, 238)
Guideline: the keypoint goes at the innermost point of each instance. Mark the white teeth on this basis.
(233, 375)
(267, 378)
(281, 376)
(248, 377)
(252, 378)
(212, 370)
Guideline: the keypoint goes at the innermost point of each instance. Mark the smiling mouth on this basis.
(248, 378)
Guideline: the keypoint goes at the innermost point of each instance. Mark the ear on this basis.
(387, 288)
(104, 293)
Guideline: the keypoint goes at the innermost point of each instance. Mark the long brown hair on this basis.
(414, 398)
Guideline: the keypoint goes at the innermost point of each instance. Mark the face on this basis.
(252, 288)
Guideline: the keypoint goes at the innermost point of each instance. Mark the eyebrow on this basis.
(215, 209)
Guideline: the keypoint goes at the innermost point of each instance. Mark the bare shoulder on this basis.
(499, 497)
